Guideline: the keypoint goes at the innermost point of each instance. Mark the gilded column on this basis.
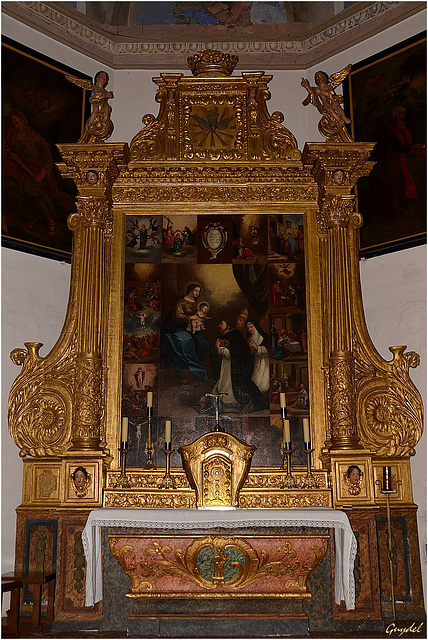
(336, 168)
(337, 212)
(92, 217)
(94, 169)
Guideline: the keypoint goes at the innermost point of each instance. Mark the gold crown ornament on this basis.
(212, 63)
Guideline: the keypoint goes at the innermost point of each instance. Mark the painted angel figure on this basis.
(98, 126)
(323, 96)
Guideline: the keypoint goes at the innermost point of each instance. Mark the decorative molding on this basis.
(65, 25)
(173, 193)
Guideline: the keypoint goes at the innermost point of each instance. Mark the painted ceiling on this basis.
(221, 18)
(161, 35)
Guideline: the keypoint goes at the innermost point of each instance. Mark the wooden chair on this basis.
(14, 587)
(36, 581)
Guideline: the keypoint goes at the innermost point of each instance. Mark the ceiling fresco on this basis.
(219, 18)
(265, 35)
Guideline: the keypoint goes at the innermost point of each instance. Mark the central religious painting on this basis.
(215, 304)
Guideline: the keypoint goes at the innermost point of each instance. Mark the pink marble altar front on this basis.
(218, 565)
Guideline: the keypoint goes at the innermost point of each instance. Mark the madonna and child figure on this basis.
(181, 349)
(238, 361)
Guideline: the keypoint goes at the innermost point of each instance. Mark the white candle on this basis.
(167, 430)
(282, 400)
(306, 433)
(124, 429)
(286, 431)
(149, 398)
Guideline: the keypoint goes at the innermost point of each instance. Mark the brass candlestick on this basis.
(122, 482)
(386, 490)
(168, 481)
(309, 482)
(149, 448)
(288, 482)
(391, 555)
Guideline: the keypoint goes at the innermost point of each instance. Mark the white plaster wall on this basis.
(394, 296)
(34, 302)
(35, 290)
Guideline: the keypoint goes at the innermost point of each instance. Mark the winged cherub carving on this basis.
(98, 127)
(325, 99)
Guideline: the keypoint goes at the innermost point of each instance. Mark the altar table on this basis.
(191, 519)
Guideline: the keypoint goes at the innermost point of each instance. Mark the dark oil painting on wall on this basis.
(233, 322)
(387, 101)
(40, 108)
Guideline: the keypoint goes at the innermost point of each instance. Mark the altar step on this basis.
(410, 632)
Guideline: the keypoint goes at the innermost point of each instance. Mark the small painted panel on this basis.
(286, 238)
(215, 235)
(141, 313)
(243, 565)
(179, 239)
(249, 238)
(143, 238)
(40, 551)
(213, 126)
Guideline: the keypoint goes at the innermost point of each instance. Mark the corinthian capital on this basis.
(91, 212)
(335, 211)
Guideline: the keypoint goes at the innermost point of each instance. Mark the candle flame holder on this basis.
(149, 448)
(289, 481)
(122, 482)
(309, 481)
(168, 481)
(387, 491)
(216, 397)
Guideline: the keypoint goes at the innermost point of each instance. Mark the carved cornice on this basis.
(73, 29)
(270, 481)
(124, 195)
(275, 173)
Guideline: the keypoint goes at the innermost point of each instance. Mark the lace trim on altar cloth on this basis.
(300, 522)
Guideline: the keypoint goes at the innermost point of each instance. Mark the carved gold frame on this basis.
(66, 406)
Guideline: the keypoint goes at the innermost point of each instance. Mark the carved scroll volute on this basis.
(158, 139)
(94, 169)
(389, 406)
(40, 401)
(268, 139)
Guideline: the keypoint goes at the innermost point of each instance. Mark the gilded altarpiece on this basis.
(212, 205)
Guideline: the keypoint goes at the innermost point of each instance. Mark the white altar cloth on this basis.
(191, 519)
